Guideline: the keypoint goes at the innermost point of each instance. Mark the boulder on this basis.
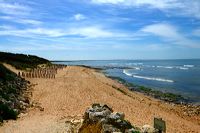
(101, 119)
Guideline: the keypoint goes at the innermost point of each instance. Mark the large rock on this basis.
(101, 119)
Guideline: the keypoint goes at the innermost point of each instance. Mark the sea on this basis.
(180, 76)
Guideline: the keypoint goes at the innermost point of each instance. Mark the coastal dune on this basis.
(76, 88)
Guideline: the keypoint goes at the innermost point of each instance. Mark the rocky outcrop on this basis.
(101, 119)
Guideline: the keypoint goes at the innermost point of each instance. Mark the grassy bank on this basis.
(13, 96)
(12, 89)
(22, 61)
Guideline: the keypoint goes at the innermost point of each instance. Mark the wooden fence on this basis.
(49, 72)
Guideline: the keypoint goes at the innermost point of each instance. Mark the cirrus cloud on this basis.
(164, 30)
(13, 8)
(170, 33)
(83, 32)
(174, 7)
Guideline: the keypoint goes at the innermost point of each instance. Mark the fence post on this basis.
(160, 125)
(19, 74)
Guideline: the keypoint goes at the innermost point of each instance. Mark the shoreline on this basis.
(188, 107)
(75, 88)
(160, 95)
(157, 94)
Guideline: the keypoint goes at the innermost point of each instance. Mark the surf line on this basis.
(147, 78)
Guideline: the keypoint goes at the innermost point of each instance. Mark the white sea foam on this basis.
(168, 67)
(183, 68)
(113, 64)
(139, 63)
(134, 64)
(145, 77)
(188, 65)
(137, 68)
(153, 78)
(127, 73)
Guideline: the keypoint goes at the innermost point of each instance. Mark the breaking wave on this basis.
(188, 65)
(147, 78)
(183, 68)
(136, 68)
(168, 67)
(127, 73)
(153, 78)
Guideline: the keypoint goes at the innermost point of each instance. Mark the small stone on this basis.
(41, 109)
(148, 129)
(132, 130)
(23, 114)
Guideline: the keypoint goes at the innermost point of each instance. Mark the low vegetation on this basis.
(22, 61)
(13, 98)
(11, 90)
(166, 96)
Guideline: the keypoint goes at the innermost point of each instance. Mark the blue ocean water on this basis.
(176, 76)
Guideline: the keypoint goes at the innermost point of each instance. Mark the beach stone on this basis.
(99, 118)
(41, 109)
(116, 116)
(148, 129)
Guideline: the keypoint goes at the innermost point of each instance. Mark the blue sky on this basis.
(101, 29)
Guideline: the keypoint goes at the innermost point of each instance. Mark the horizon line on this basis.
(121, 59)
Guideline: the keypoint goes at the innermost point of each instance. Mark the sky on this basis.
(101, 29)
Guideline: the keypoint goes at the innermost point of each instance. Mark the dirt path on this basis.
(75, 88)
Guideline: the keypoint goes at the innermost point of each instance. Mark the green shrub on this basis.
(7, 113)
(6, 74)
(10, 83)
(21, 61)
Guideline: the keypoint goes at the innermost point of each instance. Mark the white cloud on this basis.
(170, 34)
(85, 32)
(108, 1)
(28, 21)
(31, 32)
(62, 45)
(97, 32)
(39, 46)
(164, 30)
(14, 8)
(15, 12)
(174, 7)
(6, 27)
(21, 20)
(191, 8)
(161, 4)
(79, 17)
(91, 32)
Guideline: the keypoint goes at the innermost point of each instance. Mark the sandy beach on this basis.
(76, 88)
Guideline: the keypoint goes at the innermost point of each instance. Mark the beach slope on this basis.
(76, 88)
